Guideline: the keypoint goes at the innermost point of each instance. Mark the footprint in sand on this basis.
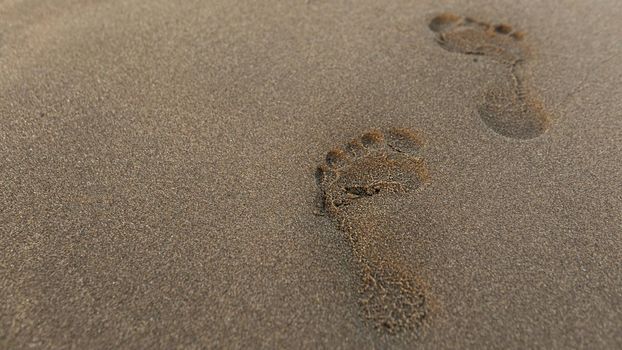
(508, 107)
(354, 181)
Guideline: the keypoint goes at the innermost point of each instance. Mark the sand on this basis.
(158, 160)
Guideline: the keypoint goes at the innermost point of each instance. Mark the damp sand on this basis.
(158, 178)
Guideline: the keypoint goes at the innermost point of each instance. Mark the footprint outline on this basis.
(379, 163)
(512, 111)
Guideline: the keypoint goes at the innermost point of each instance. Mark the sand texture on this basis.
(310, 174)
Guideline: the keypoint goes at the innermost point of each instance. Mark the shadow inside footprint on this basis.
(507, 108)
(351, 181)
(511, 115)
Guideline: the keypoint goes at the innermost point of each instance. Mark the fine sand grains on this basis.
(351, 182)
(508, 107)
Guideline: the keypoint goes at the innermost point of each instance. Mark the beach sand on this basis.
(158, 174)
